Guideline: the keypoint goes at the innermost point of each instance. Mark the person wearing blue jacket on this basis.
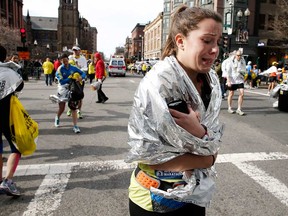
(65, 73)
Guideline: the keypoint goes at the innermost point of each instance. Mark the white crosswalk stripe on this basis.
(49, 194)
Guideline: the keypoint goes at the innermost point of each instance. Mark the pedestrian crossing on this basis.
(48, 196)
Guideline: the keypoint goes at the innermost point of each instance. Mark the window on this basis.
(167, 7)
(10, 7)
(191, 4)
(165, 23)
(262, 21)
(271, 22)
(203, 2)
(114, 62)
(120, 63)
(3, 3)
(228, 20)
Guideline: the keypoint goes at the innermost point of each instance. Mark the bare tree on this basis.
(10, 37)
(279, 24)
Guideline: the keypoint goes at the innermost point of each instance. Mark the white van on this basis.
(117, 66)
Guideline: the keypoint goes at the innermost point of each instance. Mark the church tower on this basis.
(68, 24)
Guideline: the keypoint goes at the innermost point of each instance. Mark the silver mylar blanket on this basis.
(9, 78)
(62, 94)
(154, 137)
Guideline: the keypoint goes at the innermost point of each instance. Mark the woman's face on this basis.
(198, 51)
(65, 61)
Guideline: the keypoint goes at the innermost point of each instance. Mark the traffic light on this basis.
(23, 35)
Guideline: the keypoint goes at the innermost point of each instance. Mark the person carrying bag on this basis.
(24, 130)
(10, 82)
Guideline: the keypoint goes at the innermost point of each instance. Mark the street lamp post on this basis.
(229, 32)
(246, 14)
(48, 48)
(242, 26)
(35, 47)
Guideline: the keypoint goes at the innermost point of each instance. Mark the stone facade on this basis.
(153, 38)
(50, 36)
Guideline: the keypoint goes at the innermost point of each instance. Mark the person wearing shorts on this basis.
(235, 80)
(272, 77)
(10, 82)
(64, 76)
(249, 79)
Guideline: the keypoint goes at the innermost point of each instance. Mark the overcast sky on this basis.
(114, 19)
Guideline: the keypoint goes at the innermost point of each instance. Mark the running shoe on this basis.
(9, 187)
(76, 129)
(79, 115)
(230, 111)
(239, 112)
(57, 121)
(69, 112)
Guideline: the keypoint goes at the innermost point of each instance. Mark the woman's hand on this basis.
(190, 122)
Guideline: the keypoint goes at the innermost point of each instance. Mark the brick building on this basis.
(137, 38)
(11, 20)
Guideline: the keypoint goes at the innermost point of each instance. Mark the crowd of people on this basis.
(140, 67)
(67, 70)
(235, 74)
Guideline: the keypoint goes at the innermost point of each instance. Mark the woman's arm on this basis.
(186, 162)
(191, 123)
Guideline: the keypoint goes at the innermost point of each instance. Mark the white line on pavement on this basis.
(45, 169)
(49, 194)
(255, 92)
(245, 157)
(273, 185)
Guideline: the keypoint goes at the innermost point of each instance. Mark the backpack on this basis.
(76, 92)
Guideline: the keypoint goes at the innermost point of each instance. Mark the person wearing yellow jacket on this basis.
(48, 69)
(91, 70)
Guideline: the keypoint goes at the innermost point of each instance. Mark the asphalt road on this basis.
(84, 174)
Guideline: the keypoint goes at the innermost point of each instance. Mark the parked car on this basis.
(117, 66)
